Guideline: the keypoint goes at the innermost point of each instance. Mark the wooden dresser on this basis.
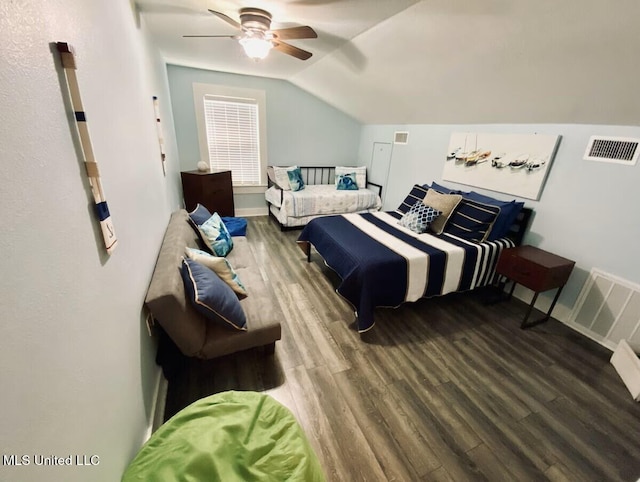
(212, 189)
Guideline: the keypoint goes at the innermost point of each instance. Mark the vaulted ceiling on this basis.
(433, 61)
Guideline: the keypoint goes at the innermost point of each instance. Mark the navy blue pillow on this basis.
(472, 220)
(416, 194)
(211, 296)
(195, 219)
(199, 215)
(509, 211)
(444, 190)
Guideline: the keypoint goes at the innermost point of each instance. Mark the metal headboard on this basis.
(322, 175)
(520, 226)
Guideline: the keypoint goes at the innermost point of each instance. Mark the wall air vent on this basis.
(621, 150)
(401, 137)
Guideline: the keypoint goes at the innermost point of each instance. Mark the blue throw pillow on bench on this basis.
(199, 215)
(211, 296)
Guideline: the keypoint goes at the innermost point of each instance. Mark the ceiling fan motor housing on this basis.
(255, 19)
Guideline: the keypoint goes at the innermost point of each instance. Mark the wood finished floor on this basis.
(442, 389)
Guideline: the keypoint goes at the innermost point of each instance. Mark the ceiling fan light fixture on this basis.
(256, 48)
(257, 38)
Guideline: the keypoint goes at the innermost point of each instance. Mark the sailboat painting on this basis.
(516, 164)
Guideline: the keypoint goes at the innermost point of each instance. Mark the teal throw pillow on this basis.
(215, 235)
(419, 217)
(295, 179)
(347, 182)
(211, 296)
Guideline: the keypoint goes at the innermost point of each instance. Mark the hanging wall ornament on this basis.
(163, 157)
(91, 166)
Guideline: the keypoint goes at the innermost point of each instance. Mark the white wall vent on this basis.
(608, 310)
(621, 150)
(401, 137)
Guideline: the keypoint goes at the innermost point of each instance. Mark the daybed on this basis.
(383, 263)
(193, 334)
(319, 197)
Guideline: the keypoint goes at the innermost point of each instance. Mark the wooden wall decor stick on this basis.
(91, 166)
(163, 157)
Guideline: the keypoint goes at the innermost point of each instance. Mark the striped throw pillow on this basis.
(472, 220)
(416, 194)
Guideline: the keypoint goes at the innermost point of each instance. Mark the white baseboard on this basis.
(249, 212)
(156, 415)
(627, 364)
(560, 313)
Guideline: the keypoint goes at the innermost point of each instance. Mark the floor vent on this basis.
(608, 310)
(621, 150)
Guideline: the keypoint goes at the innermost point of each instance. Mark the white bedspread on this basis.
(323, 199)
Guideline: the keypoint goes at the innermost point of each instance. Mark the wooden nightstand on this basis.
(537, 270)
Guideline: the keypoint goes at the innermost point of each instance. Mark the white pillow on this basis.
(361, 174)
(221, 267)
(282, 176)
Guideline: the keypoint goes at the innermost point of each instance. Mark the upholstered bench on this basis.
(191, 332)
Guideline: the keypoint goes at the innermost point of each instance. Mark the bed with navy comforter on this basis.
(384, 264)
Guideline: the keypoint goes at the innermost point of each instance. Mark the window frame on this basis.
(200, 91)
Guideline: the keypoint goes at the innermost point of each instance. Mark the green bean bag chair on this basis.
(231, 436)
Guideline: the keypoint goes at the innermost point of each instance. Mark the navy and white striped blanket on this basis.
(382, 263)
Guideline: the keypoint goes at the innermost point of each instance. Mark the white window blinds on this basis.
(233, 137)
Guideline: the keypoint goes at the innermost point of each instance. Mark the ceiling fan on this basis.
(257, 38)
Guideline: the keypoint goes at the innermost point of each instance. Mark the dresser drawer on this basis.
(221, 182)
(522, 271)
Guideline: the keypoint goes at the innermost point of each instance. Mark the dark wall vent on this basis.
(621, 150)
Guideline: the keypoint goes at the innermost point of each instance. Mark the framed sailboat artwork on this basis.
(516, 164)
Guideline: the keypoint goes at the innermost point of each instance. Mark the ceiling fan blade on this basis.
(295, 33)
(211, 36)
(291, 50)
(227, 19)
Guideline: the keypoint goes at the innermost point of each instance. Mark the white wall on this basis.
(588, 211)
(77, 369)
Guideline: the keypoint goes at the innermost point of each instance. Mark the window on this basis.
(231, 132)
